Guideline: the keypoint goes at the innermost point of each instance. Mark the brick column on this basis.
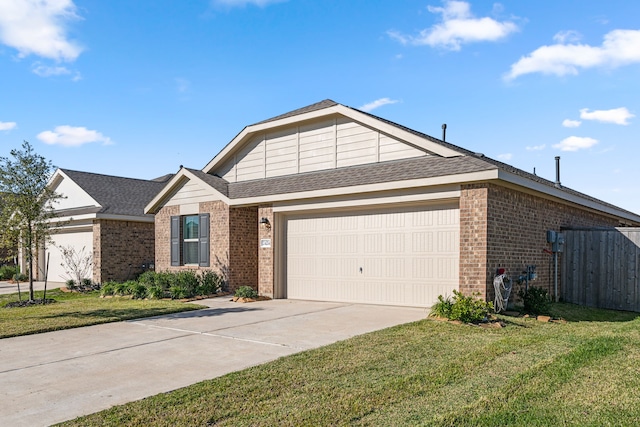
(265, 255)
(473, 240)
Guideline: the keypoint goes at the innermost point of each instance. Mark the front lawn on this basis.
(72, 310)
(585, 371)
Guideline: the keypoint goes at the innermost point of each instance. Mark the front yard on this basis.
(585, 371)
(72, 310)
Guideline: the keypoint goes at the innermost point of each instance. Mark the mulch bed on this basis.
(29, 303)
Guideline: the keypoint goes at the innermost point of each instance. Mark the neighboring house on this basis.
(331, 203)
(104, 215)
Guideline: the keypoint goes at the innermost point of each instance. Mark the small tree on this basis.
(28, 202)
(76, 264)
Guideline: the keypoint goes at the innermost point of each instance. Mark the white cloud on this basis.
(48, 71)
(536, 147)
(505, 156)
(377, 104)
(458, 27)
(242, 3)
(38, 27)
(575, 143)
(571, 123)
(620, 47)
(8, 125)
(567, 37)
(618, 116)
(71, 136)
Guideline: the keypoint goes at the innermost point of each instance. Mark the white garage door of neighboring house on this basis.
(78, 240)
(393, 257)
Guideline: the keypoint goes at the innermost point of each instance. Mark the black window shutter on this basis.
(203, 240)
(175, 240)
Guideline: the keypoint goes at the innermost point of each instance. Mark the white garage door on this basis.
(394, 257)
(77, 240)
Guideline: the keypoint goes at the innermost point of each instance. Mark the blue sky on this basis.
(137, 88)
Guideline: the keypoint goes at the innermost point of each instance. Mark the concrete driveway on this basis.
(57, 376)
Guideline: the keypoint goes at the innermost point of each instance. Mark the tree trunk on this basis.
(30, 258)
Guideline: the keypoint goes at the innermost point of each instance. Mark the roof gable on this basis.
(113, 195)
(320, 115)
(189, 186)
(73, 195)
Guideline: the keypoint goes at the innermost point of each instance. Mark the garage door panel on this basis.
(77, 240)
(400, 257)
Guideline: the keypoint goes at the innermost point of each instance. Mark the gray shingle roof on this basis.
(399, 170)
(214, 181)
(117, 195)
(309, 108)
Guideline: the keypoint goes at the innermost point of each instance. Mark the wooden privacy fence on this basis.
(601, 268)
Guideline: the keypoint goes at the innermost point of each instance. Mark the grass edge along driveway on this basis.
(582, 372)
(73, 310)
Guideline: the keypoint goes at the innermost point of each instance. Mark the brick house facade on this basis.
(103, 217)
(330, 203)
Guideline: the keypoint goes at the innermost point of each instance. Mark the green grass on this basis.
(582, 372)
(72, 310)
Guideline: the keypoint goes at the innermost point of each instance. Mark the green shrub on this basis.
(178, 292)
(210, 283)
(148, 278)
(188, 280)
(246, 292)
(467, 309)
(442, 308)
(155, 292)
(107, 289)
(20, 277)
(7, 272)
(536, 300)
(123, 289)
(87, 283)
(138, 290)
(165, 279)
(70, 284)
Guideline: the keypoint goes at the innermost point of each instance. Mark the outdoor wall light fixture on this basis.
(264, 223)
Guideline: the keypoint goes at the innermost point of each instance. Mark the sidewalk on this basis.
(10, 288)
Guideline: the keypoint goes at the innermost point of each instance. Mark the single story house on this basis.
(331, 203)
(104, 215)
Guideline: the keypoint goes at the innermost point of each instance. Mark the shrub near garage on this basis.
(467, 309)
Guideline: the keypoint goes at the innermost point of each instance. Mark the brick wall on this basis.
(120, 248)
(265, 255)
(163, 236)
(243, 247)
(233, 243)
(503, 227)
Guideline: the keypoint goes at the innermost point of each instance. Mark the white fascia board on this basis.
(174, 183)
(563, 195)
(370, 188)
(365, 119)
(132, 218)
(442, 195)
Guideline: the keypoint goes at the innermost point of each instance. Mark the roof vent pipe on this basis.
(558, 185)
(444, 132)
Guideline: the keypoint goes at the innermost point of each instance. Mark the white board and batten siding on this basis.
(190, 192)
(401, 257)
(328, 144)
